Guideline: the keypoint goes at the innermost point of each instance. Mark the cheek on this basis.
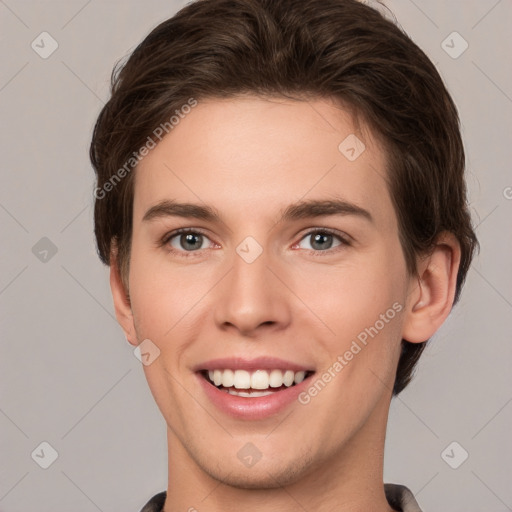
(350, 296)
(361, 304)
(161, 295)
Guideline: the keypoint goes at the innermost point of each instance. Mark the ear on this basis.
(121, 298)
(432, 291)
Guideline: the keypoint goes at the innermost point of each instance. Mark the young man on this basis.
(281, 201)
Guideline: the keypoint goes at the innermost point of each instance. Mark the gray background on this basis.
(68, 376)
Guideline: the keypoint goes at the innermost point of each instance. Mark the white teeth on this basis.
(217, 377)
(299, 377)
(228, 378)
(246, 394)
(242, 379)
(276, 379)
(258, 379)
(288, 378)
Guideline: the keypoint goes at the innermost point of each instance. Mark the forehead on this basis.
(257, 156)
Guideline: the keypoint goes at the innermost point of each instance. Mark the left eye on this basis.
(322, 240)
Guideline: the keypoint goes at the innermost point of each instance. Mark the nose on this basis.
(253, 295)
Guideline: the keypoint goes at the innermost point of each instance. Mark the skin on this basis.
(250, 158)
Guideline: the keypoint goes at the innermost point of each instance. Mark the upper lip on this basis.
(259, 363)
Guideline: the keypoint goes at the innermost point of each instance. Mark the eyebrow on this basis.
(296, 211)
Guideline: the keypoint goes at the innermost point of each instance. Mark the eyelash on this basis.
(188, 254)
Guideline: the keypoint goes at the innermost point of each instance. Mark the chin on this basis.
(263, 475)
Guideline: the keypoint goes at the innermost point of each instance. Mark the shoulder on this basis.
(156, 503)
(401, 498)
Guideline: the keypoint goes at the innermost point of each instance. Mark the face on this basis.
(290, 271)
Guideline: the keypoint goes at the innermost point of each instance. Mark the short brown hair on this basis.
(341, 49)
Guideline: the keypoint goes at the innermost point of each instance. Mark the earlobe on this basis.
(121, 300)
(432, 291)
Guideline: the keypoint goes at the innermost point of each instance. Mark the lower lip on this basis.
(247, 408)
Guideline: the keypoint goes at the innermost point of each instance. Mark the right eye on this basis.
(185, 240)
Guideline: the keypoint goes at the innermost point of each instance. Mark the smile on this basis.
(254, 383)
(254, 389)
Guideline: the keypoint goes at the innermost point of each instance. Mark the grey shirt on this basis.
(399, 497)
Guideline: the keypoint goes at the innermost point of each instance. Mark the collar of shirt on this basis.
(399, 497)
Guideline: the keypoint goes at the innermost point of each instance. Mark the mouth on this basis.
(252, 389)
(255, 383)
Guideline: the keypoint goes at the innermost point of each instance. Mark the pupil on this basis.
(319, 237)
(189, 238)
